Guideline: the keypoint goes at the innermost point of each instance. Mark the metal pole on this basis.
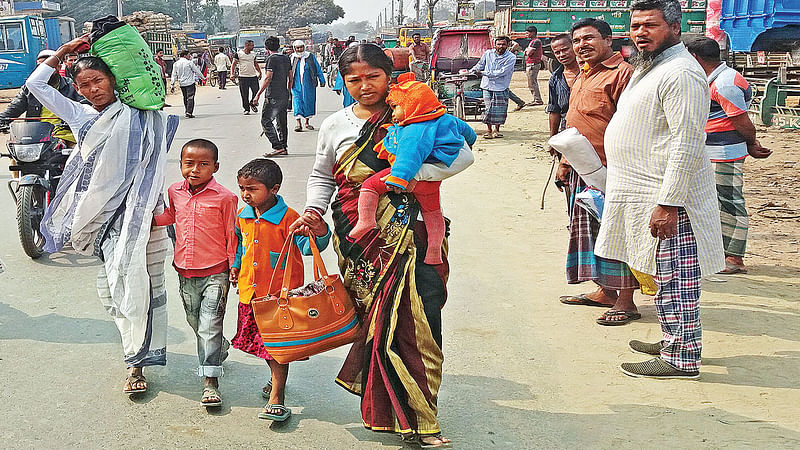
(239, 14)
(188, 14)
(119, 9)
(393, 22)
(400, 18)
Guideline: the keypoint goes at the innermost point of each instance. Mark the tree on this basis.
(361, 30)
(206, 13)
(284, 14)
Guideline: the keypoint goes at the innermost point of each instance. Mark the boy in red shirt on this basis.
(204, 215)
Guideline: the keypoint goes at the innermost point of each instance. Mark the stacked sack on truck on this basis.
(131, 61)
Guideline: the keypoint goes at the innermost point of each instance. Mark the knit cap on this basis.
(419, 102)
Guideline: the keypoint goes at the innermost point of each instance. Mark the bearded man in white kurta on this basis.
(658, 169)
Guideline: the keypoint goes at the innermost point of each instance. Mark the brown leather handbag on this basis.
(305, 321)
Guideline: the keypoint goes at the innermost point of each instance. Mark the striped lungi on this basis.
(496, 103)
(678, 298)
(729, 178)
(582, 263)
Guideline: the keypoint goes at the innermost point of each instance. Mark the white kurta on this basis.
(655, 147)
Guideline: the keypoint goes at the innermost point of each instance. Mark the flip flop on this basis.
(285, 413)
(282, 152)
(210, 393)
(133, 379)
(488, 136)
(267, 390)
(732, 269)
(581, 300)
(498, 135)
(298, 128)
(627, 317)
(309, 127)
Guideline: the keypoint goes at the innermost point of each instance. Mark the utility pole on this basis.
(188, 13)
(416, 10)
(400, 18)
(238, 14)
(385, 18)
(119, 9)
(393, 22)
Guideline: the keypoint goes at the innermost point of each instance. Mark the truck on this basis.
(406, 33)
(60, 30)
(760, 26)
(22, 37)
(258, 35)
(554, 17)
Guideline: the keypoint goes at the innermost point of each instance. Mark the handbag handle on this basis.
(319, 266)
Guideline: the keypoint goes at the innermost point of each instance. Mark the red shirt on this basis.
(204, 227)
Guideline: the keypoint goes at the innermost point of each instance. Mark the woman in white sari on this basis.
(105, 201)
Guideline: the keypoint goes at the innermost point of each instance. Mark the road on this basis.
(521, 370)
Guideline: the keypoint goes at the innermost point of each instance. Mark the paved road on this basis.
(521, 370)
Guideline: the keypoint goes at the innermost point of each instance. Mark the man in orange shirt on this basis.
(593, 100)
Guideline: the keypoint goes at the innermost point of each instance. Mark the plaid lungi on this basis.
(496, 107)
(678, 298)
(582, 263)
(732, 212)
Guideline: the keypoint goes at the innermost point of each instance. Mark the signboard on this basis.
(31, 7)
(6, 7)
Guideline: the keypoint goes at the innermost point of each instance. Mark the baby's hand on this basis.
(395, 189)
(234, 276)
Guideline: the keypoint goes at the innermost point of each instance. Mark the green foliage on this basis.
(283, 14)
(206, 13)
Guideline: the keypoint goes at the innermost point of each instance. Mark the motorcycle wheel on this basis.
(212, 79)
(30, 211)
(458, 107)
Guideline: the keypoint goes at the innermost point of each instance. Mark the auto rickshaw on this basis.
(455, 50)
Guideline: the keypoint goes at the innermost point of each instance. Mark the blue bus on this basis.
(21, 39)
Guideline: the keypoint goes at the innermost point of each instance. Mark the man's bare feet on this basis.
(606, 297)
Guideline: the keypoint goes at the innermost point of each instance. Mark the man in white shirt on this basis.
(184, 72)
(249, 74)
(222, 64)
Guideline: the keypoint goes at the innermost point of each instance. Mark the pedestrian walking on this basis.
(306, 75)
(222, 63)
(276, 101)
(592, 102)
(163, 65)
(262, 227)
(403, 296)
(661, 215)
(730, 137)
(249, 74)
(533, 63)
(185, 72)
(203, 213)
(119, 168)
(495, 68)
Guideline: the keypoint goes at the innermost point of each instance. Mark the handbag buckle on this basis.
(283, 302)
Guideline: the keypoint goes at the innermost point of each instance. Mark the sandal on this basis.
(309, 127)
(443, 442)
(732, 269)
(498, 135)
(488, 136)
(130, 381)
(298, 128)
(281, 152)
(276, 413)
(267, 390)
(210, 397)
(582, 300)
(625, 317)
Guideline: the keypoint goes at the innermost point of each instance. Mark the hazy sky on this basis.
(354, 10)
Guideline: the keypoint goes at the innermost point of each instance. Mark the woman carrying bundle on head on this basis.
(104, 204)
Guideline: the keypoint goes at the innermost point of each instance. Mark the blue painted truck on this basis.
(21, 39)
(60, 30)
(769, 25)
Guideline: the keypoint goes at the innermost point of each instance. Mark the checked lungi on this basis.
(678, 298)
(582, 263)
(496, 107)
(729, 178)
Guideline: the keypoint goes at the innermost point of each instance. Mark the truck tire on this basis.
(30, 210)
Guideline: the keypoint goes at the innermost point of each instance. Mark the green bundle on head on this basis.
(131, 61)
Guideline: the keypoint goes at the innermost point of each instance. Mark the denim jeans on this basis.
(275, 110)
(204, 301)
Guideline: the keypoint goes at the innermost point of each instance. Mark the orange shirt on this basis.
(593, 99)
(260, 242)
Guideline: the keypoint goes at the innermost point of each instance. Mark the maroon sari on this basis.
(395, 364)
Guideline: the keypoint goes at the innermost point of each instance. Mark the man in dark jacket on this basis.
(26, 103)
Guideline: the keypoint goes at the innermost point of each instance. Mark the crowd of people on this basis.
(669, 127)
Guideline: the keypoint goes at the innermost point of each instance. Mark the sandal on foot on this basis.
(625, 317)
(134, 379)
(488, 136)
(276, 413)
(498, 135)
(210, 397)
(281, 152)
(267, 390)
(581, 299)
(442, 443)
(309, 127)
(298, 128)
(732, 269)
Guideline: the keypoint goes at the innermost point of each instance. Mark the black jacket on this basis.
(26, 103)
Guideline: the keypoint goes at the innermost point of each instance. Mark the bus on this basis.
(21, 40)
(258, 35)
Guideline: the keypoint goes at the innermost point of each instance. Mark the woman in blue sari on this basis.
(306, 75)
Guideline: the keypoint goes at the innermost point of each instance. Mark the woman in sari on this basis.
(105, 201)
(395, 364)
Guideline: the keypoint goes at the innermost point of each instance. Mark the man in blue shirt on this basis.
(496, 67)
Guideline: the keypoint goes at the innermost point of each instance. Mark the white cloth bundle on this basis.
(581, 156)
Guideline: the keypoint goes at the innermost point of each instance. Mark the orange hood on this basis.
(418, 100)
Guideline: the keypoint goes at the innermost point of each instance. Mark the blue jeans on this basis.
(204, 301)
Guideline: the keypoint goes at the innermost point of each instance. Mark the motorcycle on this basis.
(39, 158)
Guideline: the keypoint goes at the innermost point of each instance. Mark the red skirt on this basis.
(248, 338)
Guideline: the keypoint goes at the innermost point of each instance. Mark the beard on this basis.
(643, 60)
